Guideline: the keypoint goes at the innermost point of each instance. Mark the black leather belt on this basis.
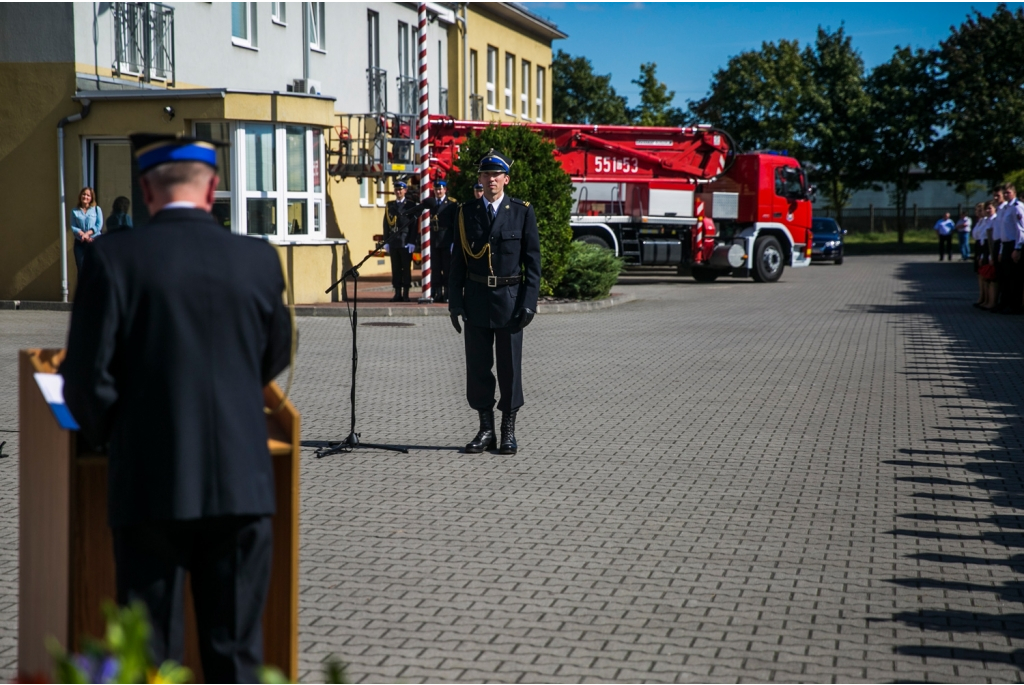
(495, 281)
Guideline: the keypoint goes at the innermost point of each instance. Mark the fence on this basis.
(884, 219)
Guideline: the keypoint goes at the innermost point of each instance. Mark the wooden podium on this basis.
(66, 557)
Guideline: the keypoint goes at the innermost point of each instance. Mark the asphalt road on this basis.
(812, 481)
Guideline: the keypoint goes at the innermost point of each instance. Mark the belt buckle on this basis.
(492, 281)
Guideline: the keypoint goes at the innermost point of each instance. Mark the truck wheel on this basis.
(768, 260)
(594, 240)
(704, 275)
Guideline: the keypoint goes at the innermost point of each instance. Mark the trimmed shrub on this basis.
(536, 177)
(590, 272)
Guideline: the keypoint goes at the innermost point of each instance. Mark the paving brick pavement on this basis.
(818, 480)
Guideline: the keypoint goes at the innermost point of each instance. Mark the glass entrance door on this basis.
(109, 170)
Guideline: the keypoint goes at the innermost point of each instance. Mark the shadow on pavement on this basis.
(938, 319)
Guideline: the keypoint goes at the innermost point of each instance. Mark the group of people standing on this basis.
(998, 235)
(87, 221)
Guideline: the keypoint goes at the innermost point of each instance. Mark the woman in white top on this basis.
(987, 255)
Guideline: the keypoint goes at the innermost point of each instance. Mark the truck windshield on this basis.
(789, 183)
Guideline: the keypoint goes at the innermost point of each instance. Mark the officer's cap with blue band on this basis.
(400, 184)
(441, 182)
(495, 161)
(154, 149)
(478, 186)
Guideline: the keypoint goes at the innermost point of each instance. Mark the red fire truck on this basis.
(676, 197)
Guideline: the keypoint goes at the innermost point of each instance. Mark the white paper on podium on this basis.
(52, 387)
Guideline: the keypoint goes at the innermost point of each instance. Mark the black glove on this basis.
(455, 321)
(522, 319)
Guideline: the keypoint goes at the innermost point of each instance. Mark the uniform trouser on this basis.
(946, 246)
(442, 260)
(1010, 283)
(483, 346)
(228, 558)
(401, 266)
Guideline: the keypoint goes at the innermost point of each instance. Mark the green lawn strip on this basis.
(915, 241)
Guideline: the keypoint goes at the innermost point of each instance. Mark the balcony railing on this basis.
(144, 41)
(442, 101)
(476, 107)
(377, 80)
(407, 95)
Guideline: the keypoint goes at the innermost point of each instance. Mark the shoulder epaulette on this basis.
(521, 202)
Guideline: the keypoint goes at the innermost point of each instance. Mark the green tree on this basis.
(837, 117)
(579, 96)
(903, 121)
(982, 97)
(655, 100)
(536, 177)
(757, 98)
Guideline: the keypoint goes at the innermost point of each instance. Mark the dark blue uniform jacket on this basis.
(515, 249)
(176, 328)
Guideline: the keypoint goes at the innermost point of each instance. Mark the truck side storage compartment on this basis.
(661, 252)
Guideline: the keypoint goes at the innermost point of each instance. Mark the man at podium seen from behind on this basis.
(176, 328)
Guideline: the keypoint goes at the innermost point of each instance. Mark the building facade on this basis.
(316, 99)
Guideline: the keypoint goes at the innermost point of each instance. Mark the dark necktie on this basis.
(490, 212)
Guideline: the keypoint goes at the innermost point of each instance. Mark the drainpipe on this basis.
(306, 9)
(63, 201)
(465, 62)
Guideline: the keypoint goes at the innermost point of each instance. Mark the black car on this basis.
(828, 241)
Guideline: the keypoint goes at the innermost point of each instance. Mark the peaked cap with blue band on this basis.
(154, 149)
(441, 183)
(400, 184)
(495, 161)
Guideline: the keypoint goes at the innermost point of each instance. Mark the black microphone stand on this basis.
(352, 441)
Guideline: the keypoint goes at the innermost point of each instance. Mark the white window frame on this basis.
(539, 102)
(474, 73)
(405, 60)
(240, 194)
(381, 199)
(251, 39)
(510, 83)
(524, 89)
(318, 26)
(492, 78)
(278, 15)
(364, 193)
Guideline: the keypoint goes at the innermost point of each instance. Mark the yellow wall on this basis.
(30, 230)
(30, 233)
(483, 31)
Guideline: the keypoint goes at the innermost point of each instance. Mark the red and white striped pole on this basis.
(423, 132)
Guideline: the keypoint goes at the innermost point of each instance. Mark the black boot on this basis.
(508, 433)
(398, 295)
(405, 294)
(485, 439)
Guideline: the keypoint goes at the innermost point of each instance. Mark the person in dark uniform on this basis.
(400, 235)
(443, 210)
(478, 190)
(493, 288)
(175, 331)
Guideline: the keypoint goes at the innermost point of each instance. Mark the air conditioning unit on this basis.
(307, 86)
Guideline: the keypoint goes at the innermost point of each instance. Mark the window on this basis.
(492, 76)
(510, 82)
(373, 38)
(474, 83)
(364, 192)
(144, 41)
(243, 24)
(277, 13)
(539, 115)
(317, 41)
(524, 91)
(406, 81)
(278, 189)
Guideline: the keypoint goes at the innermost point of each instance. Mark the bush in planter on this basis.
(590, 272)
(536, 177)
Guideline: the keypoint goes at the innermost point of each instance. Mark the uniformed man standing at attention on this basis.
(176, 328)
(442, 227)
(401, 237)
(493, 288)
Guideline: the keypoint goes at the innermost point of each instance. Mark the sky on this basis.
(690, 41)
